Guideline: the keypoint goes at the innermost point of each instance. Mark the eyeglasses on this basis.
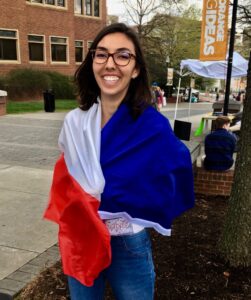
(120, 58)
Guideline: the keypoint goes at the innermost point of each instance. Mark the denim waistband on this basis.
(139, 237)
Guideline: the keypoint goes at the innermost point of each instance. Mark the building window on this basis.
(60, 3)
(96, 8)
(8, 44)
(78, 51)
(36, 47)
(58, 49)
(88, 7)
(78, 7)
(89, 44)
(50, 2)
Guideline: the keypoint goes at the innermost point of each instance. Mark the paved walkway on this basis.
(28, 151)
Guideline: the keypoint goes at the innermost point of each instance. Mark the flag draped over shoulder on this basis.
(148, 171)
(84, 240)
(139, 170)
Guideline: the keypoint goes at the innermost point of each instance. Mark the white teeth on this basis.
(111, 78)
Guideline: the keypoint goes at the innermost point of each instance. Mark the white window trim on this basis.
(48, 5)
(83, 51)
(18, 61)
(44, 48)
(67, 50)
(89, 16)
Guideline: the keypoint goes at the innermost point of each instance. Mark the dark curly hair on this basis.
(138, 96)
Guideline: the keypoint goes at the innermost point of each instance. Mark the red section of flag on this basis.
(84, 240)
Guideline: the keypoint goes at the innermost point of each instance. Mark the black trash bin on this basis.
(49, 101)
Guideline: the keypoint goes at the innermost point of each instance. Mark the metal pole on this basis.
(189, 105)
(230, 58)
(178, 93)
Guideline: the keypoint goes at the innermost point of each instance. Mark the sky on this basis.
(116, 7)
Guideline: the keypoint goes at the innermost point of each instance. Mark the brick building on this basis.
(48, 34)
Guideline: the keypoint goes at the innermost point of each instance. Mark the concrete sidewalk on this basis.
(28, 151)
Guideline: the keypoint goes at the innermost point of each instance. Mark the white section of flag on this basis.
(80, 140)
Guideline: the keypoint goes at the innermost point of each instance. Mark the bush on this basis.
(26, 84)
(2, 83)
(62, 86)
(29, 84)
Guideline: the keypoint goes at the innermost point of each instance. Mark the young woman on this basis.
(121, 171)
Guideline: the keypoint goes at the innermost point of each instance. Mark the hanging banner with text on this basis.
(169, 76)
(214, 30)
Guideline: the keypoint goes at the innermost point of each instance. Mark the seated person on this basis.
(220, 146)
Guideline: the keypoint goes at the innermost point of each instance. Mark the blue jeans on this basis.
(131, 273)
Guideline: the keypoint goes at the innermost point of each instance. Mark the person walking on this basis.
(217, 97)
(121, 171)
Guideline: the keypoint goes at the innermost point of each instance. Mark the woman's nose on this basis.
(110, 62)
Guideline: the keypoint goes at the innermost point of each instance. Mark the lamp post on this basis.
(167, 60)
(167, 84)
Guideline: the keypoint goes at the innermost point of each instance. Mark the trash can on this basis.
(49, 101)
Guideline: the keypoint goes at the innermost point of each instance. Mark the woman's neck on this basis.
(108, 109)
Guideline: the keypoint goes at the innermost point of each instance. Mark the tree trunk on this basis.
(235, 242)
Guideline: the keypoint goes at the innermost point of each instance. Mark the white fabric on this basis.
(140, 222)
(80, 141)
(217, 69)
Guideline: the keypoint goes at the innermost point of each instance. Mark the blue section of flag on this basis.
(148, 171)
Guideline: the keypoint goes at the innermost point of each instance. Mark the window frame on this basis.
(83, 9)
(16, 38)
(89, 44)
(43, 3)
(67, 49)
(44, 49)
(83, 52)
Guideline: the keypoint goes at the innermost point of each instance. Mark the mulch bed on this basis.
(187, 264)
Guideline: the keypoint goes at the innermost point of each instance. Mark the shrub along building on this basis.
(48, 34)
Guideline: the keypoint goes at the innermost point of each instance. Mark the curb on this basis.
(13, 284)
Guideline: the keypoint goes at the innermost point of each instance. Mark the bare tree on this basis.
(141, 12)
(235, 243)
(244, 17)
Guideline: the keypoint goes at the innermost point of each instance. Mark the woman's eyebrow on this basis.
(102, 48)
(117, 50)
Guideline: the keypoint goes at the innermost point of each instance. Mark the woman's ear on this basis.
(135, 73)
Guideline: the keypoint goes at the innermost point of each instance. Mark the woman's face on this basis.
(112, 79)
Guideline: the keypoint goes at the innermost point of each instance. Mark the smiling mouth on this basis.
(111, 78)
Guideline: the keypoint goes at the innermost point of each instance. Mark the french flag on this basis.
(78, 182)
(132, 168)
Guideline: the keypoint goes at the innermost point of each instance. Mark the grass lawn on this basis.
(14, 107)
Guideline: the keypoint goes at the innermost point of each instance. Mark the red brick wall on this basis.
(48, 21)
(213, 182)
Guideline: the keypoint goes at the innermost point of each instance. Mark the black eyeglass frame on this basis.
(93, 51)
